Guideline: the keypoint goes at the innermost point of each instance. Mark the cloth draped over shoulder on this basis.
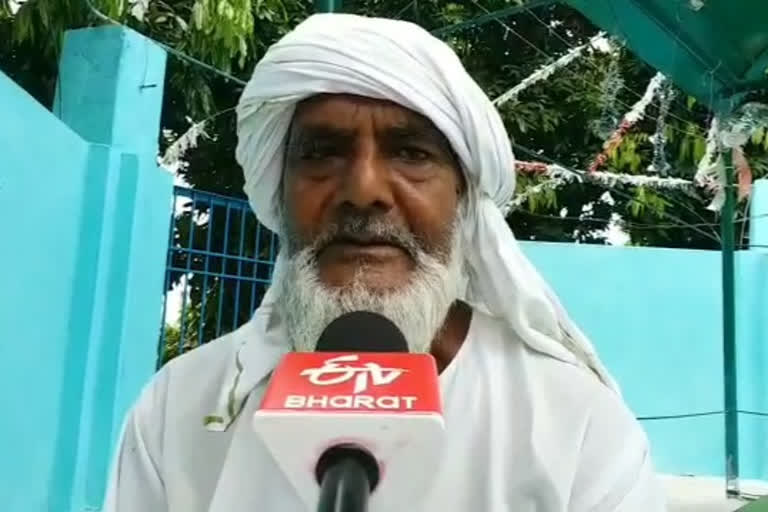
(400, 62)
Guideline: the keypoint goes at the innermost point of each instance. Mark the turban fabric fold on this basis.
(401, 62)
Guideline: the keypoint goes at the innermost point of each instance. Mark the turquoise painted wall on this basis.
(655, 318)
(37, 269)
(86, 213)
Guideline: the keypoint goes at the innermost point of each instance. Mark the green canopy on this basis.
(715, 50)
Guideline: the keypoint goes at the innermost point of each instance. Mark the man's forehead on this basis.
(341, 109)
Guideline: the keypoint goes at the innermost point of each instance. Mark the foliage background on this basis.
(552, 118)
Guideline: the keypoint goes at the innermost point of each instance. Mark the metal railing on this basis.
(219, 264)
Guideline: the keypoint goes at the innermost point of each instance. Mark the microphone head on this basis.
(360, 398)
(362, 331)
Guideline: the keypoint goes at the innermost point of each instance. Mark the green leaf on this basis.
(690, 102)
(699, 148)
(757, 137)
(243, 52)
(670, 133)
(182, 24)
(551, 197)
(44, 19)
(521, 125)
(197, 15)
(533, 203)
(684, 150)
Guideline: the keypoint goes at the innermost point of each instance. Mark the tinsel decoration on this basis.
(139, 8)
(738, 128)
(173, 154)
(546, 71)
(171, 159)
(531, 167)
(736, 132)
(609, 179)
(704, 171)
(716, 176)
(559, 176)
(521, 198)
(743, 172)
(610, 87)
(710, 173)
(730, 133)
(660, 164)
(635, 114)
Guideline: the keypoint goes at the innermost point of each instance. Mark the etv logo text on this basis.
(333, 372)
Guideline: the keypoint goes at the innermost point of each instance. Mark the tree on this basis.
(554, 118)
(230, 36)
(171, 345)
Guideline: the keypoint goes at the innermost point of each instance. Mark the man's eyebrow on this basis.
(414, 129)
(319, 131)
(421, 131)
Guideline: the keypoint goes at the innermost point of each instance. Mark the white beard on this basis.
(306, 306)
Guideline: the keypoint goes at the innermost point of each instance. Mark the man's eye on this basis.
(412, 154)
(316, 151)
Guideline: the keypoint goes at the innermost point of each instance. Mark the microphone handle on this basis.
(345, 487)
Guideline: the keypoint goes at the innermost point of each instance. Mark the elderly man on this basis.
(384, 167)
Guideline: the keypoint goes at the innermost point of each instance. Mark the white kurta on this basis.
(525, 432)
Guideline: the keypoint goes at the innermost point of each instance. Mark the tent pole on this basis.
(729, 334)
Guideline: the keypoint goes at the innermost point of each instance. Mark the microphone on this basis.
(356, 425)
(361, 331)
(347, 474)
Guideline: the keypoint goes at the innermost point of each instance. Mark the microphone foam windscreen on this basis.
(362, 331)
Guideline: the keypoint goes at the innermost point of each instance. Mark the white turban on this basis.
(401, 62)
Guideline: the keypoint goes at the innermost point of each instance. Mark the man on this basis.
(383, 167)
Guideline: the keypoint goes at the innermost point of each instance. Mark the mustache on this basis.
(368, 229)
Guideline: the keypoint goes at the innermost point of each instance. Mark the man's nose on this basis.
(365, 184)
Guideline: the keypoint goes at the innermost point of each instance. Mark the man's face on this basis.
(368, 183)
(369, 220)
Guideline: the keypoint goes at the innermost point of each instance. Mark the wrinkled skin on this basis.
(351, 161)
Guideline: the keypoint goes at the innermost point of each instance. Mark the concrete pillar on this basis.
(110, 88)
(111, 92)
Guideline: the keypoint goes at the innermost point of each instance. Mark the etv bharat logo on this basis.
(334, 372)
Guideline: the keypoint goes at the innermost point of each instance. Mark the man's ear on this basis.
(287, 146)
(461, 183)
(286, 159)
